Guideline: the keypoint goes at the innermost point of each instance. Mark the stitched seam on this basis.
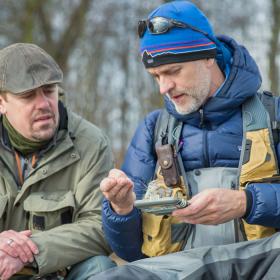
(3, 75)
(28, 61)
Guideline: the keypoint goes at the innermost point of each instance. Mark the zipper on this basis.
(24, 168)
(205, 149)
(201, 123)
(204, 139)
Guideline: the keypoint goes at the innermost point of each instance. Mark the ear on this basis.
(210, 62)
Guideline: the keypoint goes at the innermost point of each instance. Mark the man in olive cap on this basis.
(51, 164)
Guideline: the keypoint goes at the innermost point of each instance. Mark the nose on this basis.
(165, 85)
(41, 99)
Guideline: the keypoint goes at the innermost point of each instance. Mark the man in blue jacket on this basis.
(208, 84)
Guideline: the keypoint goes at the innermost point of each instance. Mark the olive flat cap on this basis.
(24, 67)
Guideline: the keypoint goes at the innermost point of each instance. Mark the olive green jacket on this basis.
(60, 200)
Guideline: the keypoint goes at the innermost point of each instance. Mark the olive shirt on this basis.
(60, 200)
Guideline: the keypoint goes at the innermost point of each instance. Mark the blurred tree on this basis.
(35, 23)
(96, 44)
(274, 47)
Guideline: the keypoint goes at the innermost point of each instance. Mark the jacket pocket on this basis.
(260, 160)
(49, 210)
(163, 234)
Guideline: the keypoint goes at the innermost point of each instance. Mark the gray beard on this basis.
(198, 94)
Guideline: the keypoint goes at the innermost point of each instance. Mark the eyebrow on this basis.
(50, 85)
(166, 71)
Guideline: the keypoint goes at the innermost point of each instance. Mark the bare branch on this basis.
(72, 33)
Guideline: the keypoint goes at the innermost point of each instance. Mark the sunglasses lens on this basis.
(158, 25)
(141, 28)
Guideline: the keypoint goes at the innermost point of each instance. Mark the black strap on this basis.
(271, 104)
(167, 129)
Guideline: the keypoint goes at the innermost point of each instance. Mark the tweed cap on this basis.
(24, 67)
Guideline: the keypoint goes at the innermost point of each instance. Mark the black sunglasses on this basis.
(160, 25)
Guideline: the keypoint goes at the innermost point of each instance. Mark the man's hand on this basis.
(213, 206)
(18, 245)
(9, 266)
(118, 189)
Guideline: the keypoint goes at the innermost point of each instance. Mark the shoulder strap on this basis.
(254, 115)
(271, 105)
(161, 127)
(168, 131)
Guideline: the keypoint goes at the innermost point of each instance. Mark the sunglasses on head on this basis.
(160, 25)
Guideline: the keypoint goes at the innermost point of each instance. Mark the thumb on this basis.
(27, 232)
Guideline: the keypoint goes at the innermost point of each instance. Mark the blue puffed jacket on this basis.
(211, 138)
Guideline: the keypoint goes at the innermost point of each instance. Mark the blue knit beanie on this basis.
(178, 44)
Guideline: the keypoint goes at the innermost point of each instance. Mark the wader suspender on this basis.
(271, 105)
(168, 130)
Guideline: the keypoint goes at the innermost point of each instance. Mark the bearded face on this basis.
(187, 84)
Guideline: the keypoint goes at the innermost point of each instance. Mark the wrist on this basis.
(242, 205)
(121, 210)
(249, 203)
